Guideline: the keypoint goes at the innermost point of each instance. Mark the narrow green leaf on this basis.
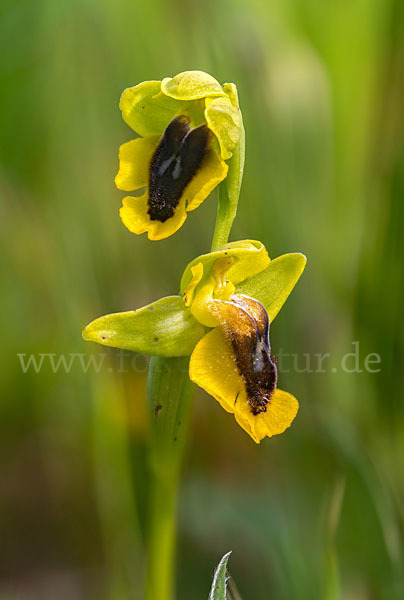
(332, 575)
(218, 589)
(164, 328)
(272, 286)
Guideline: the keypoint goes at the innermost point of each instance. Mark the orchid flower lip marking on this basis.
(174, 163)
(252, 351)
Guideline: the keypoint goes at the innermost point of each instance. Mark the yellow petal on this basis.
(135, 217)
(191, 85)
(213, 368)
(134, 213)
(279, 415)
(146, 110)
(231, 91)
(134, 163)
(225, 121)
(197, 272)
(250, 257)
(202, 302)
(211, 172)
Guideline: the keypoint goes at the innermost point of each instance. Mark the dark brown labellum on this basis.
(174, 163)
(250, 341)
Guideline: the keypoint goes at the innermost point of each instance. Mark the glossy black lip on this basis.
(174, 163)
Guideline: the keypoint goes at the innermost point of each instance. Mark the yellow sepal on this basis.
(191, 85)
(273, 285)
(146, 110)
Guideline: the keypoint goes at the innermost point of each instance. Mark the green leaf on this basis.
(218, 589)
(164, 328)
(272, 286)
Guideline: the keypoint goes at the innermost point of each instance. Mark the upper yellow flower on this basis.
(189, 126)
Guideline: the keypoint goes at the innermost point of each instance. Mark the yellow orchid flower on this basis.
(236, 292)
(189, 126)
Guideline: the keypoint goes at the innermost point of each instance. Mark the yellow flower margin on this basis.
(148, 108)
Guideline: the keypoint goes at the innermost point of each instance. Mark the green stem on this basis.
(224, 219)
(228, 195)
(169, 392)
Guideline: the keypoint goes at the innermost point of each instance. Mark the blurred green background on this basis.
(316, 513)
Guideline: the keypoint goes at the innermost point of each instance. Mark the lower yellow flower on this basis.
(233, 362)
(190, 125)
(236, 292)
